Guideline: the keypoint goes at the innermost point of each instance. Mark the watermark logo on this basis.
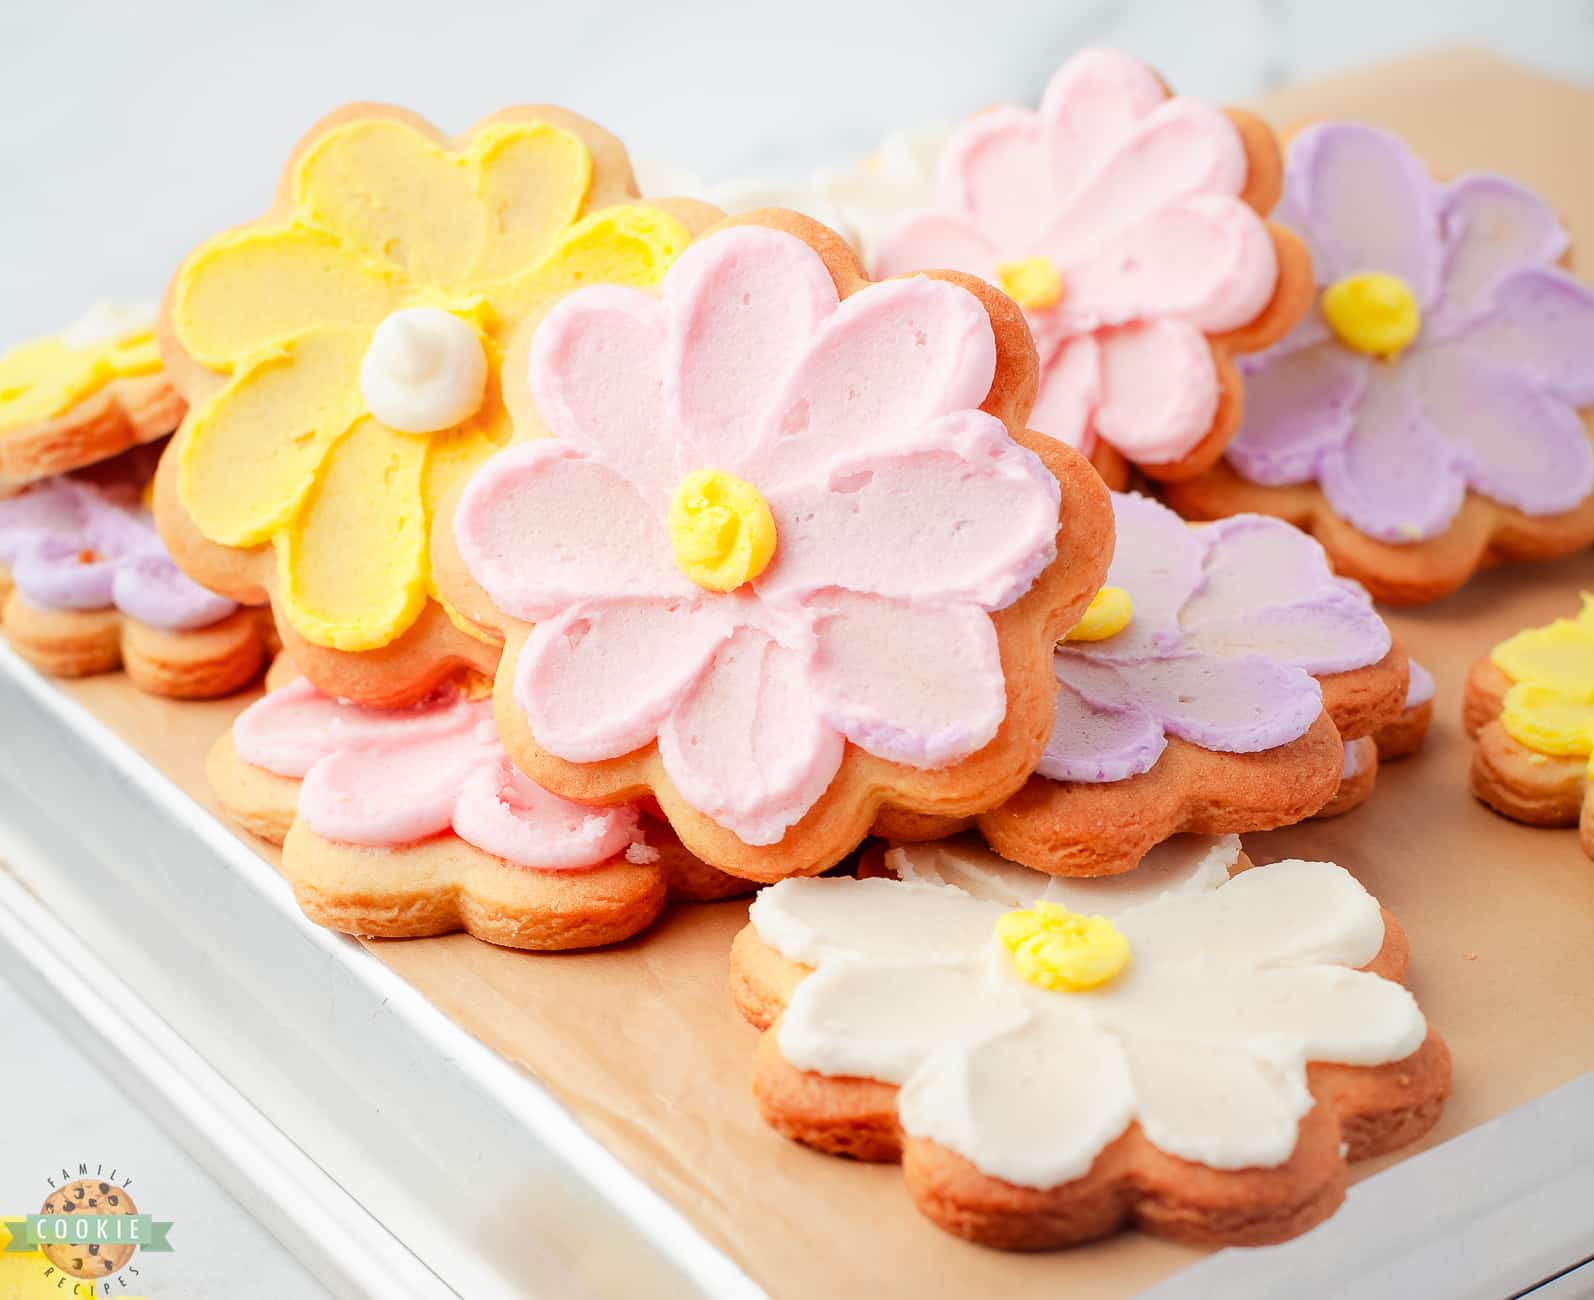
(85, 1238)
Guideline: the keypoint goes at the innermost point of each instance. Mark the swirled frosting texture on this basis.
(1132, 199)
(1484, 397)
(1203, 1041)
(1233, 622)
(903, 515)
(391, 777)
(72, 546)
(1550, 704)
(291, 451)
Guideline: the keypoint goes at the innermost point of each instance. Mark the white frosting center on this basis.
(425, 370)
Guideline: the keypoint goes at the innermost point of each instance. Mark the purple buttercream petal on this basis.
(1540, 322)
(1512, 438)
(1157, 560)
(1099, 733)
(1491, 228)
(52, 572)
(153, 590)
(1333, 632)
(1297, 409)
(1369, 205)
(1238, 705)
(1395, 478)
(51, 509)
(1254, 563)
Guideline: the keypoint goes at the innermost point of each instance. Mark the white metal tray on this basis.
(405, 1158)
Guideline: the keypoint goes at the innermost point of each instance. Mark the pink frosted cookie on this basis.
(1221, 705)
(398, 823)
(87, 587)
(1051, 1060)
(1429, 416)
(1125, 222)
(786, 555)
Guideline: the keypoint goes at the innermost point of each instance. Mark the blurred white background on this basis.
(131, 131)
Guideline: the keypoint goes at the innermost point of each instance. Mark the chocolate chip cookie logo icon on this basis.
(83, 1241)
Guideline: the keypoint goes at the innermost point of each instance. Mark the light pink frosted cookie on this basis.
(398, 823)
(1128, 224)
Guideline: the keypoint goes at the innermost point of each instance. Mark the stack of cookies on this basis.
(622, 551)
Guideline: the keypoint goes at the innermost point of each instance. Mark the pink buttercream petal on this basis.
(400, 793)
(1394, 477)
(1159, 390)
(1516, 441)
(1539, 322)
(1492, 227)
(935, 241)
(1180, 150)
(542, 527)
(965, 515)
(1208, 260)
(505, 813)
(914, 684)
(889, 361)
(288, 730)
(597, 377)
(996, 171)
(742, 308)
(1092, 104)
(1157, 560)
(1099, 732)
(596, 682)
(1070, 389)
(1369, 205)
(1297, 408)
(745, 747)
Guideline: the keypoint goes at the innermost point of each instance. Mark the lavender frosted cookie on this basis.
(1222, 704)
(1430, 415)
(88, 588)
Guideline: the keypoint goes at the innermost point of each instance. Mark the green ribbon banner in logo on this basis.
(83, 1229)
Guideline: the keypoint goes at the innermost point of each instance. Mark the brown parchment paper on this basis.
(642, 1044)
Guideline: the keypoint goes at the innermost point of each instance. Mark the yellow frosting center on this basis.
(1109, 614)
(721, 529)
(1373, 312)
(1034, 283)
(1063, 951)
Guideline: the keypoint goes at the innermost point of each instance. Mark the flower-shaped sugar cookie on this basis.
(1051, 1060)
(787, 554)
(77, 397)
(1126, 223)
(1529, 704)
(398, 823)
(87, 587)
(342, 358)
(1424, 419)
(1221, 706)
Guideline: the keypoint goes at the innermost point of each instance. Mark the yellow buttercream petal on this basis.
(42, 379)
(394, 193)
(628, 244)
(532, 183)
(1559, 655)
(252, 451)
(352, 567)
(253, 289)
(1549, 721)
